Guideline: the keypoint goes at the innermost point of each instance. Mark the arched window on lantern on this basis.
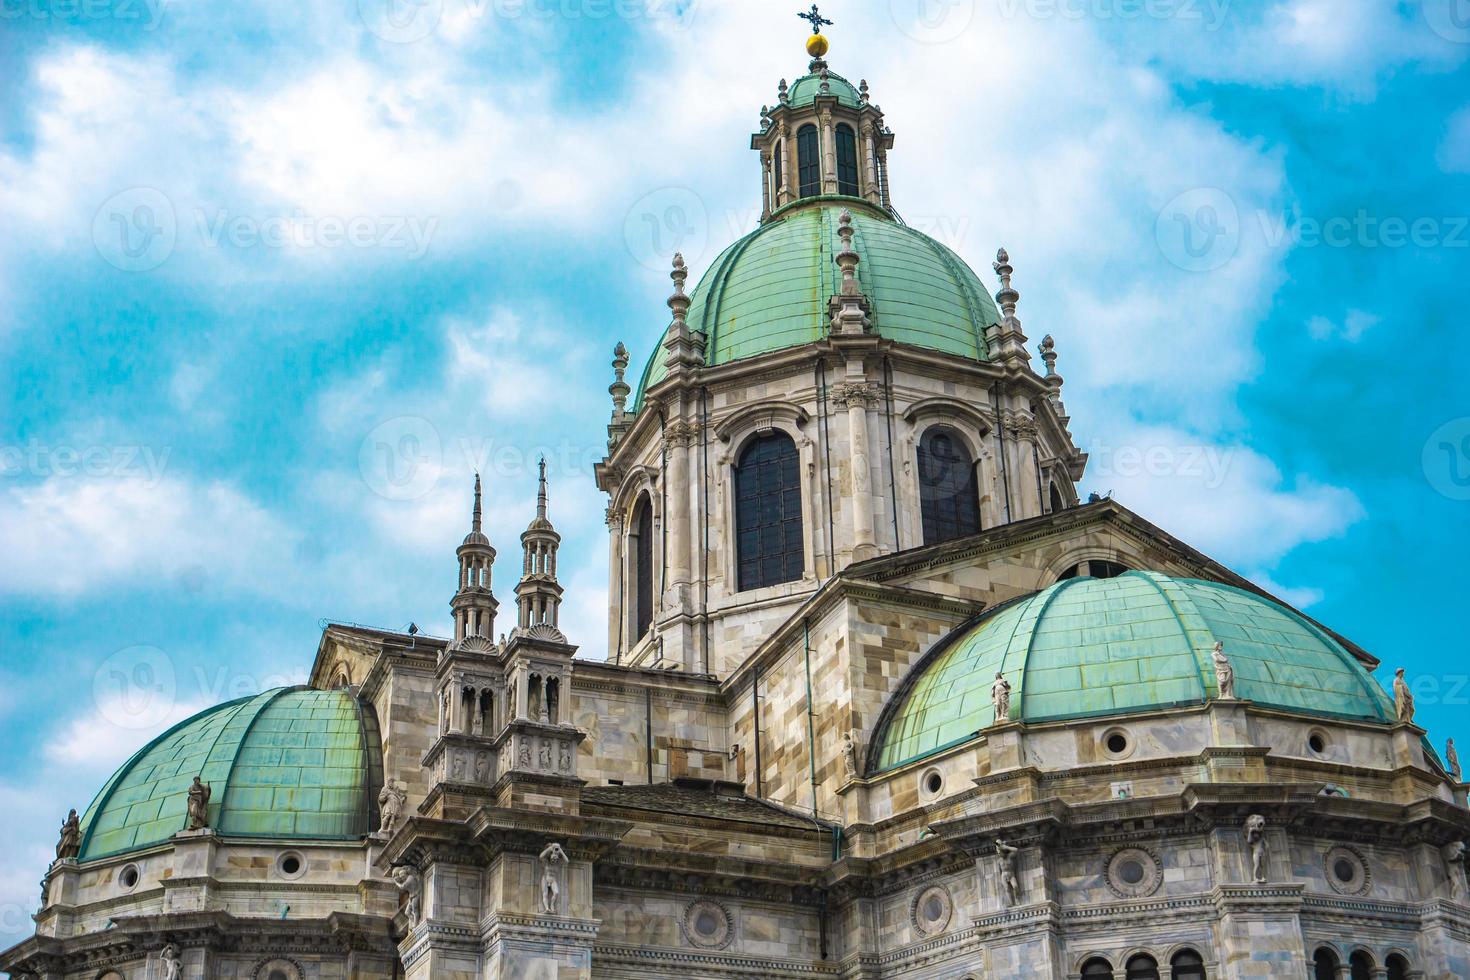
(768, 533)
(808, 162)
(640, 548)
(948, 503)
(847, 161)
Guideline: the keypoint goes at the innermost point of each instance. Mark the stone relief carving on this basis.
(1224, 673)
(1000, 698)
(1010, 883)
(172, 963)
(70, 844)
(482, 767)
(391, 801)
(1134, 872)
(1452, 759)
(458, 767)
(411, 884)
(199, 794)
(850, 753)
(553, 858)
(1454, 862)
(564, 757)
(1403, 698)
(1255, 837)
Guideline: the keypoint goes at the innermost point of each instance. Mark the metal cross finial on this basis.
(816, 18)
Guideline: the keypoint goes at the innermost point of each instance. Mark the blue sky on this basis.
(396, 244)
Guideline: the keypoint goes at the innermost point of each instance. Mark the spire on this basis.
(474, 603)
(538, 595)
(685, 347)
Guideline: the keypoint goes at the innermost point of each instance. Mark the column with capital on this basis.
(856, 397)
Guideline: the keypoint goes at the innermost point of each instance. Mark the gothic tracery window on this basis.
(808, 162)
(948, 502)
(768, 534)
(847, 162)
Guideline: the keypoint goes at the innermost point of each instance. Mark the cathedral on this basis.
(883, 697)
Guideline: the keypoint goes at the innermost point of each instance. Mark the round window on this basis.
(1134, 872)
(128, 877)
(1317, 743)
(707, 925)
(1347, 872)
(932, 782)
(932, 909)
(1116, 744)
(290, 865)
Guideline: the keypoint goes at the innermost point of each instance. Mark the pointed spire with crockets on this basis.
(474, 603)
(538, 594)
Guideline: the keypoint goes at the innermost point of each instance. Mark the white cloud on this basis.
(80, 533)
(1295, 596)
(1221, 497)
(1352, 328)
(96, 742)
(1454, 151)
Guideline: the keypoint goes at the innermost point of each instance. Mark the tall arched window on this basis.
(641, 548)
(1362, 966)
(1188, 965)
(780, 172)
(847, 164)
(1398, 968)
(1325, 964)
(947, 498)
(768, 540)
(1057, 503)
(1097, 968)
(1143, 967)
(808, 162)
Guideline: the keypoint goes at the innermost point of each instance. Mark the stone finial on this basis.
(1403, 698)
(1255, 836)
(849, 308)
(783, 92)
(863, 92)
(847, 258)
(476, 522)
(1049, 355)
(1224, 673)
(1452, 759)
(619, 389)
(679, 302)
(1007, 297)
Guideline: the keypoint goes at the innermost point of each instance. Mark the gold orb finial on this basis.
(817, 45)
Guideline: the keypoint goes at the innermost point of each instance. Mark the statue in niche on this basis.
(1452, 759)
(1000, 697)
(552, 857)
(564, 756)
(173, 965)
(737, 756)
(850, 753)
(1454, 863)
(458, 769)
(391, 801)
(1009, 882)
(544, 755)
(1403, 698)
(482, 767)
(525, 755)
(70, 844)
(1224, 673)
(199, 794)
(411, 884)
(1255, 837)
(444, 713)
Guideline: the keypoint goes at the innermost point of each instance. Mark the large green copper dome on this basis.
(770, 289)
(1094, 647)
(289, 763)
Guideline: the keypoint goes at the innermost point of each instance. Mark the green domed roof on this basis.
(293, 762)
(808, 87)
(1091, 647)
(770, 289)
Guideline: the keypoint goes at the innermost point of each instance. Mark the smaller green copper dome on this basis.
(294, 763)
(770, 289)
(808, 87)
(1093, 647)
